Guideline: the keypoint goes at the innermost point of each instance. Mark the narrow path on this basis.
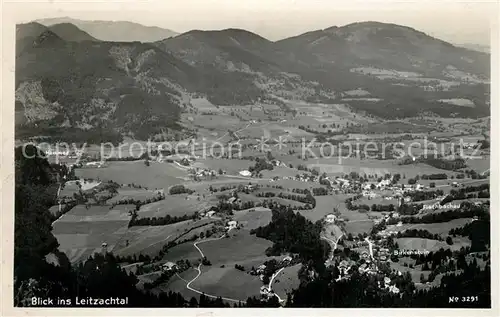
(269, 288)
(333, 243)
(58, 193)
(370, 246)
(233, 132)
(188, 285)
(177, 274)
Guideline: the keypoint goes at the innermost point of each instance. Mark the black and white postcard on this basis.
(214, 157)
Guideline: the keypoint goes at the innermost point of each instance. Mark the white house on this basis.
(369, 194)
(363, 268)
(394, 289)
(98, 164)
(264, 290)
(330, 218)
(387, 281)
(210, 214)
(245, 173)
(232, 200)
(287, 259)
(232, 224)
(261, 269)
(384, 183)
(169, 266)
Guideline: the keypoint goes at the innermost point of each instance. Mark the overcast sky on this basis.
(457, 22)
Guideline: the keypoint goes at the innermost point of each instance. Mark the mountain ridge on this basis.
(122, 83)
(116, 31)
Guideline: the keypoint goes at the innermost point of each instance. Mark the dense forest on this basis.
(292, 232)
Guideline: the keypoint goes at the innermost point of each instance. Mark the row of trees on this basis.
(159, 221)
(424, 195)
(138, 202)
(419, 233)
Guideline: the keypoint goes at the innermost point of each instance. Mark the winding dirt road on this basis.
(269, 288)
(188, 285)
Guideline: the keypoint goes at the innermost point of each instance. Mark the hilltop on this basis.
(116, 31)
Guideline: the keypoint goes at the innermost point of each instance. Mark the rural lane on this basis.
(370, 246)
(188, 285)
(333, 243)
(269, 288)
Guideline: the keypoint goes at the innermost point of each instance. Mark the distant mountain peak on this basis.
(71, 32)
(226, 32)
(115, 31)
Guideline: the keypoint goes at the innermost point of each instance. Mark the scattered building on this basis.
(330, 218)
(394, 289)
(264, 290)
(169, 266)
(232, 224)
(94, 164)
(287, 259)
(245, 173)
(387, 281)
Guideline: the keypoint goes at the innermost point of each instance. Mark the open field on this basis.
(393, 127)
(431, 245)
(230, 166)
(133, 193)
(281, 172)
(178, 284)
(289, 183)
(81, 232)
(184, 251)
(286, 281)
(324, 206)
(148, 239)
(238, 247)
(173, 205)
(332, 231)
(95, 214)
(227, 282)
(332, 166)
(217, 122)
(352, 215)
(157, 175)
(480, 164)
(226, 180)
(253, 218)
(356, 227)
(415, 272)
(435, 228)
